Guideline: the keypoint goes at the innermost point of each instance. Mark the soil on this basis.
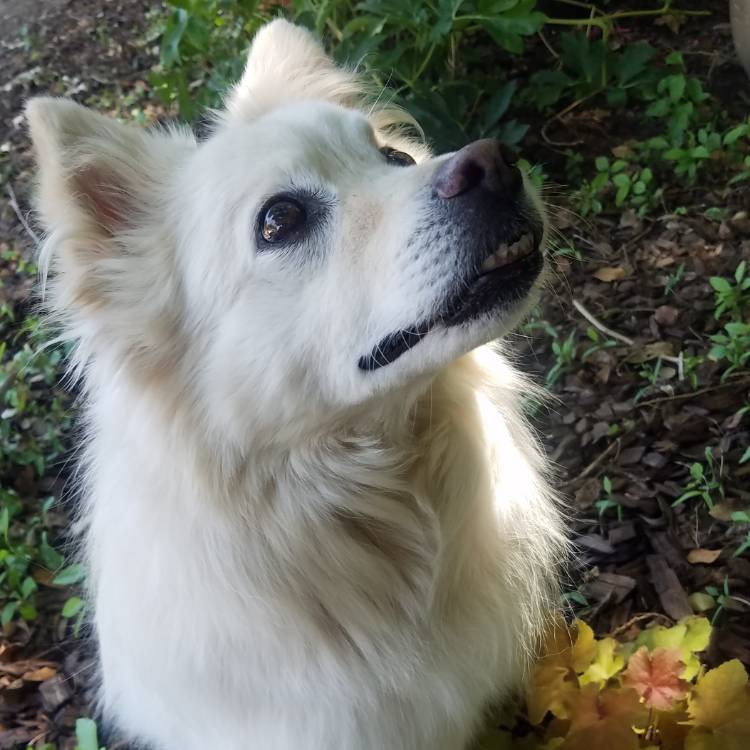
(606, 421)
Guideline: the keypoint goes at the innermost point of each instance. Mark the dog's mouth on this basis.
(504, 277)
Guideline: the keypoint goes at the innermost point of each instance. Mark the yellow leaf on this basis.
(554, 679)
(689, 635)
(607, 662)
(720, 697)
(701, 602)
(736, 737)
(584, 649)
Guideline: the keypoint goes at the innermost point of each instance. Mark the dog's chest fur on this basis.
(357, 576)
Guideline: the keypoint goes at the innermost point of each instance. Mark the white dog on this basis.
(315, 518)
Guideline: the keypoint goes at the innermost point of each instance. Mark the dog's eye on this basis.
(399, 158)
(281, 219)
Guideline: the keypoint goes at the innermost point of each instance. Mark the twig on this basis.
(598, 460)
(639, 618)
(678, 360)
(598, 324)
(692, 394)
(13, 203)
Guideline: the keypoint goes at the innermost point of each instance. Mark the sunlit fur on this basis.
(286, 552)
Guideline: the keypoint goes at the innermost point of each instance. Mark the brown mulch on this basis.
(632, 571)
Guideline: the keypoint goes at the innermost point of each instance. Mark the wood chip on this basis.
(672, 596)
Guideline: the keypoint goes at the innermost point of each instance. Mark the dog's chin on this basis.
(483, 306)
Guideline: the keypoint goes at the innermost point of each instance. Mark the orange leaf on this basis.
(604, 720)
(655, 676)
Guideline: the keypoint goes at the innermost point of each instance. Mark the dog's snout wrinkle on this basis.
(487, 163)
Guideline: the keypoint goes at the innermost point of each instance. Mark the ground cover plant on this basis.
(634, 119)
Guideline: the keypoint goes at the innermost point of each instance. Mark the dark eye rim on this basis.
(397, 158)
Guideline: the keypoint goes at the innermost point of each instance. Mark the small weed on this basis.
(722, 597)
(608, 501)
(733, 346)
(598, 343)
(705, 482)
(732, 296)
(674, 278)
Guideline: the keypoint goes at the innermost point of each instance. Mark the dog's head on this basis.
(301, 260)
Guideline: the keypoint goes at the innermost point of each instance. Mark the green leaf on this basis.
(8, 611)
(28, 587)
(72, 607)
(497, 105)
(745, 458)
(601, 163)
(621, 180)
(27, 611)
(86, 735)
(720, 284)
(676, 86)
(170, 43)
(733, 135)
(70, 575)
(632, 62)
(739, 272)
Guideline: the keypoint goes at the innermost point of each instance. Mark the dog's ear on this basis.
(92, 170)
(102, 195)
(286, 63)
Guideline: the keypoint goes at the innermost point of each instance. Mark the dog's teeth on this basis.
(508, 253)
(489, 263)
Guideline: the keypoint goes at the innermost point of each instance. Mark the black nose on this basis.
(488, 163)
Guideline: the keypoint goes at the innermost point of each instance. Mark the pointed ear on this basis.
(286, 63)
(93, 171)
(104, 190)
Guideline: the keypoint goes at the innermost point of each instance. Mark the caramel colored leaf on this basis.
(704, 556)
(610, 273)
(554, 677)
(39, 675)
(655, 676)
(604, 719)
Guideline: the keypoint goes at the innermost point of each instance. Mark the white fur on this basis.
(286, 552)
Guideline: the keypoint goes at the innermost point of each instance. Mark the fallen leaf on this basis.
(602, 720)
(39, 675)
(701, 555)
(655, 676)
(609, 274)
